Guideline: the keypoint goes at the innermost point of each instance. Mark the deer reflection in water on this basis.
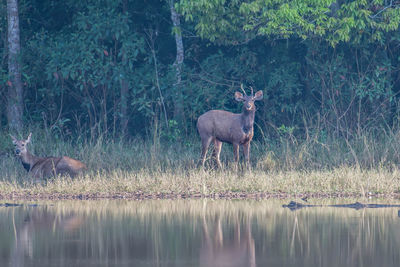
(218, 252)
(39, 220)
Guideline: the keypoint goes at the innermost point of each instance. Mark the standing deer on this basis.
(43, 167)
(223, 126)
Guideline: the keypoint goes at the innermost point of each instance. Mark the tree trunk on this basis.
(124, 92)
(178, 101)
(124, 106)
(15, 89)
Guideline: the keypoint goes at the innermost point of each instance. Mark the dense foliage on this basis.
(327, 68)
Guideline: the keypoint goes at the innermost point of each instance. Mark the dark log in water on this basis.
(10, 205)
(357, 205)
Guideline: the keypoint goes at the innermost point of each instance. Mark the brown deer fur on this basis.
(223, 126)
(43, 167)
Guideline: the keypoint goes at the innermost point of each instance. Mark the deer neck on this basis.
(28, 160)
(247, 120)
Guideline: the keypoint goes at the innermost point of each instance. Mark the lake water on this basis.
(196, 233)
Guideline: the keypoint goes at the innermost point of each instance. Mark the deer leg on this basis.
(246, 152)
(236, 153)
(250, 245)
(218, 238)
(206, 234)
(205, 143)
(217, 151)
(237, 233)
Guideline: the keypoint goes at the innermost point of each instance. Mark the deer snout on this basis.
(249, 106)
(17, 151)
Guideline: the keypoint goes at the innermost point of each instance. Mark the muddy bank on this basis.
(227, 195)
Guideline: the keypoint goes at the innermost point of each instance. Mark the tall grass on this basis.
(136, 168)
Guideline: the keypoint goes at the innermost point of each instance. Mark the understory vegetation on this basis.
(138, 168)
(119, 85)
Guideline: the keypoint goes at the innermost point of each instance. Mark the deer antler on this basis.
(252, 94)
(241, 87)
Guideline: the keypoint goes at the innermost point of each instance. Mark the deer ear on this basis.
(14, 140)
(28, 140)
(258, 95)
(238, 96)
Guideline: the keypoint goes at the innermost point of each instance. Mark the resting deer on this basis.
(223, 126)
(44, 167)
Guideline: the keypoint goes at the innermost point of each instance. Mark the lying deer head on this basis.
(20, 145)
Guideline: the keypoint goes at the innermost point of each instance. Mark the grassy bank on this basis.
(340, 182)
(137, 169)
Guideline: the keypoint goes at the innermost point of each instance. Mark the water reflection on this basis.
(38, 221)
(217, 251)
(196, 233)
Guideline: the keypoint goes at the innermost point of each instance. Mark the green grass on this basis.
(362, 166)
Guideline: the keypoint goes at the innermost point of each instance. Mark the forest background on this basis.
(132, 70)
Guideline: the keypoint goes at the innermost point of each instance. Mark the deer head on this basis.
(20, 145)
(248, 100)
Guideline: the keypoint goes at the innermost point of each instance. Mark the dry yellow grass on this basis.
(342, 181)
(140, 169)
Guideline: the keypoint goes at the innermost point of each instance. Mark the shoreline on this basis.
(138, 196)
(343, 182)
